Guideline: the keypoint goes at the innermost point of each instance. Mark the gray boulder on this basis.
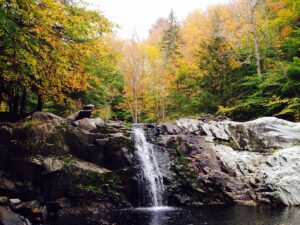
(89, 124)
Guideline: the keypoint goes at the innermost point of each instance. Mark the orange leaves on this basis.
(285, 31)
(276, 5)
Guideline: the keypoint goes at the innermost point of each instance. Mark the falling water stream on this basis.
(152, 178)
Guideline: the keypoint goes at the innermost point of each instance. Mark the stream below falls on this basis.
(207, 215)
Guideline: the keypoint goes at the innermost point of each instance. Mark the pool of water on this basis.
(208, 215)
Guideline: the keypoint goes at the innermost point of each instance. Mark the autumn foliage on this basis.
(239, 59)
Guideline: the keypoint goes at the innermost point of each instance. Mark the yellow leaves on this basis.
(234, 64)
(226, 110)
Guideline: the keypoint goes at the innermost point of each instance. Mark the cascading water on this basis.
(152, 178)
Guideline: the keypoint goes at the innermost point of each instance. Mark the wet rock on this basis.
(32, 210)
(75, 215)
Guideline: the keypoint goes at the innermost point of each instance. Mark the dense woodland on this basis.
(241, 60)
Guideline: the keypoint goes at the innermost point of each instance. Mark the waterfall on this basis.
(152, 178)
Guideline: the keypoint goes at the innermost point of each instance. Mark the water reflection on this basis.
(213, 215)
(156, 218)
(158, 215)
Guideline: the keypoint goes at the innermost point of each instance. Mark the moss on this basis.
(230, 143)
(115, 181)
(128, 125)
(100, 183)
(95, 176)
(91, 188)
(66, 158)
(186, 174)
(56, 136)
(30, 124)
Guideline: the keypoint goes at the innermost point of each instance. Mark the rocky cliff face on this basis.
(54, 169)
(221, 161)
(68, 169)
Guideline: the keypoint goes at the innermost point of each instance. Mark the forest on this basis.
(240, 60)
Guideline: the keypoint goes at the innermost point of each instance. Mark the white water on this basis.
(149, 167)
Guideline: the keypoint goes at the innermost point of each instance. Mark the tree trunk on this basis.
(39, 106)
(10, 103)
(135, 107)
(16, 105)
(163, 109)
(252, 6)
(23, 100)
(1, 98)
(1, 89)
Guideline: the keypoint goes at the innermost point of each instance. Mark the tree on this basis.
(170, 44)
(133, 68)
(44, 46)
(252, 6)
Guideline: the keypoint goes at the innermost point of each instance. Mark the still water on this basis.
(214, 215)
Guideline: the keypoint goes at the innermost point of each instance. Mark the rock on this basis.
(40, 214)
(89, 124)
(89, 107)
(15, 201)
(171, 128)
(4, 200)
(84, 114)
(244, 163)
(58, 204)
(74, 216)
(280, 171)
(52, 164)
(73, 116)
(28, 210)
(5, 133)
(7, 217)
(257, 135)
(74, 167)
(46, 117)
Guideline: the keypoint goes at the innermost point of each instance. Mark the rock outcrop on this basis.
(221, 161)
(64, 170)
(46, 158)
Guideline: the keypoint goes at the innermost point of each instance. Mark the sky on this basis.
(139, 15)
